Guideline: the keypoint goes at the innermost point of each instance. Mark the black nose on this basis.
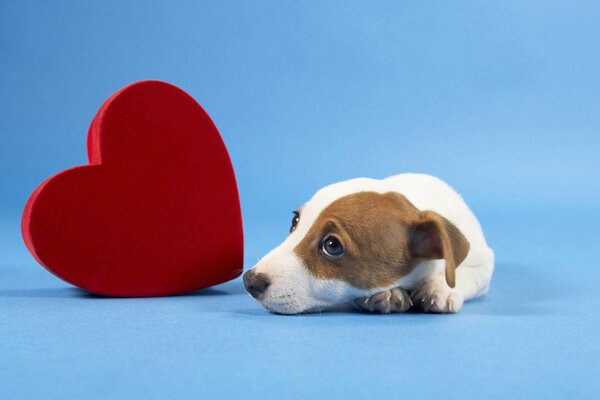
(256, 284)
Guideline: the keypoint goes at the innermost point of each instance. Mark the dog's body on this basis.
(384, 245)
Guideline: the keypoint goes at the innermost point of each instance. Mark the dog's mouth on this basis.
(288, 308)
(282, 304)
(292, 309)
(284, 310)
(290, 305)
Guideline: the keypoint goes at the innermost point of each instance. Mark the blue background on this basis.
(500, 99)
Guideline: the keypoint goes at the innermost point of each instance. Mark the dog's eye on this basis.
(295, 221)
(332, 247)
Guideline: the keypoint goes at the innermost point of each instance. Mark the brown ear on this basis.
(434, 237)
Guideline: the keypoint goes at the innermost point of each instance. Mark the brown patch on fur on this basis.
(384, 236)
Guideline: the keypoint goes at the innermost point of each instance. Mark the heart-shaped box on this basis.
(156, 212)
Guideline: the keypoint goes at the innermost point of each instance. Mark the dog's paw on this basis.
(435, 296)
(395, 300)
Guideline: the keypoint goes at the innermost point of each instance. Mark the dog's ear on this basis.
(434, 237)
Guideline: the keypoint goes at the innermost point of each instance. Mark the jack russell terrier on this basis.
(382, 245)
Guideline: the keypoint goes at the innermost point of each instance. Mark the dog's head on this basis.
(344, 244)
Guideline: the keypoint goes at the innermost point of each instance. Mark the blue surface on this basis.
(500, 100)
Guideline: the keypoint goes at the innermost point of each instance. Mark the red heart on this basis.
(157, 210)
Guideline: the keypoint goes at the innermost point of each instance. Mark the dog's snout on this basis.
(256, 283)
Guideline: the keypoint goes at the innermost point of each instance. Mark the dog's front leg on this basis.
(395, 300)
(435, 296)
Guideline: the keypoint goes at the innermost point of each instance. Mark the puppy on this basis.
(383, 245)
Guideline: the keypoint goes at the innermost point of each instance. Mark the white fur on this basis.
(293, 289)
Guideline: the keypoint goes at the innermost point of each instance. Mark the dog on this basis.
(382, 245)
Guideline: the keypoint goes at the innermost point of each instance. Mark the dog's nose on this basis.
(256, 284)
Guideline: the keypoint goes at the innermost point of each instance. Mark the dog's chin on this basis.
(287, 303)
(288, 308)
(296, 307)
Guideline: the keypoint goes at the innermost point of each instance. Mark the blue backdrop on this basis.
(500, 99)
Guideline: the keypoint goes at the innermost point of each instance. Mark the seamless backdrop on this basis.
(500, 99)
